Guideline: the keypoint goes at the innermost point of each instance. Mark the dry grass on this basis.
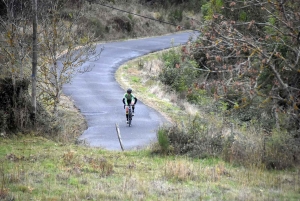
(34, 168)
(70, 121)
(179, 170)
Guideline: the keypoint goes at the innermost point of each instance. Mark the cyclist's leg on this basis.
(132, 103)
(126, 113)
(126, 110)
(133, 106)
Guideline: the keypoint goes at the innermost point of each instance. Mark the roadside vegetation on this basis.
(242, 77)
(35, 168)
(232, 99)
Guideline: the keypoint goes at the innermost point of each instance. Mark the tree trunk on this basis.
(34, 58)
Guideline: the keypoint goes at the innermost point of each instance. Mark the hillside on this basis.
(65, 29)
(213, 151)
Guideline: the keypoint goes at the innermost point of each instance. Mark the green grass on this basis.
(135, 79)
(45, 170)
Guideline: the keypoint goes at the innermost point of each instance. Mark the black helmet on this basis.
(129, 91)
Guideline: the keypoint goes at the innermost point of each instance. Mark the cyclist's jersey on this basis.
(128, 98)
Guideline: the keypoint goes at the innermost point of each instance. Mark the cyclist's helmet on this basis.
(129, 91)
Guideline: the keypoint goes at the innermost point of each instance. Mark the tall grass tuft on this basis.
(163, 140)
(179, 170)
(4, 191)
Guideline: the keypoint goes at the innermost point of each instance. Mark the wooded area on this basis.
(59, 54)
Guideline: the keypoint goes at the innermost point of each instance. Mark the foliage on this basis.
(163, 140)
(14, 113)
(62, 52)
(180, 76)
(176, 16)
(95, 25)
(58, 40)
(196, 139)
(252, 58)
(281, 150)
(199, 138)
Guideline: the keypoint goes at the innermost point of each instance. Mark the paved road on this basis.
(99, 97)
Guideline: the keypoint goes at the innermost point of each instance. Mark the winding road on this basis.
(99, 97)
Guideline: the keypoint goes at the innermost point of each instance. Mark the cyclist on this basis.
(129, 99)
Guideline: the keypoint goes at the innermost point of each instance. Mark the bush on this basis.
(196, 140)
(14, 105)
(179, 76)
(163, 140)
(281, 150)
(96, 26)
(3, 121)
(175, 16)
(202, 139)
(171, 58)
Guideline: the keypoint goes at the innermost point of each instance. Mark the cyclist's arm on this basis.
(135, 99)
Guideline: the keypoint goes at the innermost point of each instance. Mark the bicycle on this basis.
(129, 114)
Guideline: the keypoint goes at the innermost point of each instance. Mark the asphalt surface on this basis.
(99, 97)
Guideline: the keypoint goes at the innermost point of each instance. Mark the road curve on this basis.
(99, 97)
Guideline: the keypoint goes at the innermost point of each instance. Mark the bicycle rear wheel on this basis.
(129, 118)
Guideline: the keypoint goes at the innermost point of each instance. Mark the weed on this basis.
(102, 165)
(179, 170)
(73, 181)
(4, 180)
(135, 79)
(163, 140)
(140, 65)
(68, 158)
(3, 193)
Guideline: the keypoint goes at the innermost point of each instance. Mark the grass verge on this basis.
(34, 168)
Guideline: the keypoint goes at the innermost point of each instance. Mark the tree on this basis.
(34, 57)
(252, 48)
(14, 38)
(63, 50)
(14, 57)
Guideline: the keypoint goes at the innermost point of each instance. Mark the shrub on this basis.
(281, 150)
(171, 58)
(163, 140)
(14, 105)
(180, 76)
(96, 26)
(197, 140)
(176, 16)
